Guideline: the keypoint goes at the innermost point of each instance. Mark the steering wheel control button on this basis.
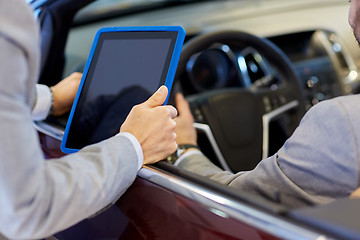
(198, 115)
(275, 102)
(267, 104)
(282, 99)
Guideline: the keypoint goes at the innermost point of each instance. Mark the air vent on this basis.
(254, 68)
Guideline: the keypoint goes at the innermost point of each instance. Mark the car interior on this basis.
(248, 85)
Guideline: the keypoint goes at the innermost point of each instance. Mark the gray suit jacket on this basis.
(317, 164)
(38, 197)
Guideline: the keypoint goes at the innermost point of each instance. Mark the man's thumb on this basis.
(158, 98)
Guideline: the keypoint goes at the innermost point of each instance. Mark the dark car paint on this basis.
(148, 211)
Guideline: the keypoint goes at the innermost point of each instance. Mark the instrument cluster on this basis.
(222, 66)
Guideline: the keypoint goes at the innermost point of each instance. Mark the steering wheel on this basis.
(236, 120)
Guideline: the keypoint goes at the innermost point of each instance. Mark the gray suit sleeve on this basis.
(39, 197)
(318, 163)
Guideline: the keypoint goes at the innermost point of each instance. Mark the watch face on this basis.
(179, 150)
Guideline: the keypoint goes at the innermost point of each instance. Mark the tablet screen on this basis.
(126, 69)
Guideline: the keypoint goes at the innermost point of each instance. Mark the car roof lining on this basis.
(89, 16)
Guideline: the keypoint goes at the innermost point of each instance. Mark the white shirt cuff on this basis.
(137, 147)
(43, 103)
(188, 153)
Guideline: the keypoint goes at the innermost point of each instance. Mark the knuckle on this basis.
(160, 111)
(136, 107)
(173, 124)
(174, 147)
(165, 110)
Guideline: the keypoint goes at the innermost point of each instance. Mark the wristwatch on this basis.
(179, 151)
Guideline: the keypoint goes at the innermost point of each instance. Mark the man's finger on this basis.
(158, 98)
(172, 110)
(182, 105)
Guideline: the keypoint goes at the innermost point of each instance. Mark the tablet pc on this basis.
(126, 65)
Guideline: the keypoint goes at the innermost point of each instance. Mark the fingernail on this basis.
(162, 89)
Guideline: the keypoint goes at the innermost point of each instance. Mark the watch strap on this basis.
(181, 149)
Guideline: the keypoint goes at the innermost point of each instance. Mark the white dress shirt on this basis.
(42, 105)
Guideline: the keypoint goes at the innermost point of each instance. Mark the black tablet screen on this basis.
(126, 68)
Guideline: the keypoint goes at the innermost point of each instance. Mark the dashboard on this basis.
(323, 64)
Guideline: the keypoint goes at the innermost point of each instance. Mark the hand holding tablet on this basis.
(159, 131)
(125, 67)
